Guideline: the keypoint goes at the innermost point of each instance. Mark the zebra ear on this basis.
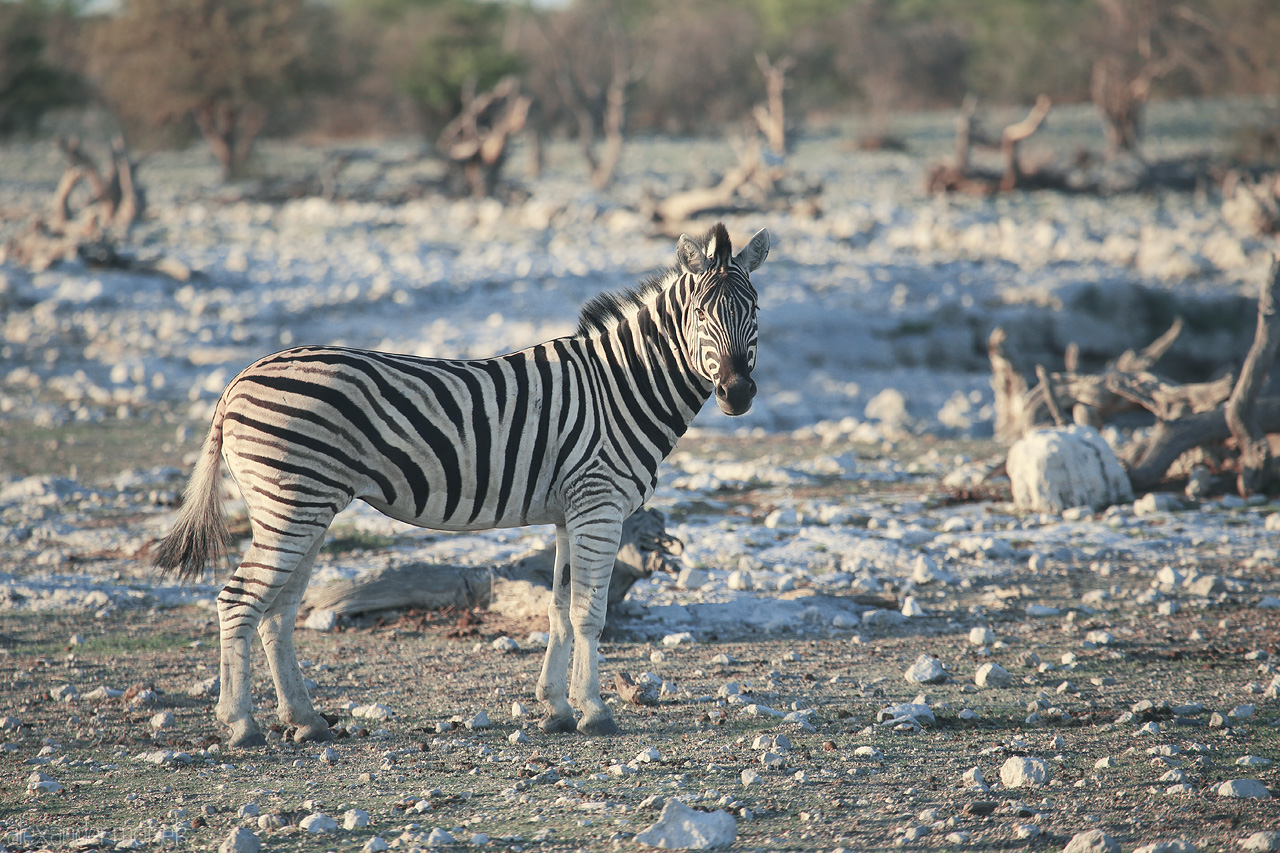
(755, 252)
(690, 255)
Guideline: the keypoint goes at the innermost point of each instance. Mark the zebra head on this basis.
(721, 313)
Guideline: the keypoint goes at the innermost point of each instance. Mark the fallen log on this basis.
(521, 589)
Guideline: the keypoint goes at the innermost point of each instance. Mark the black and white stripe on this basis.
(569, 432)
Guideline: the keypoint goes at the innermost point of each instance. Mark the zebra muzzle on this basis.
(735, 393)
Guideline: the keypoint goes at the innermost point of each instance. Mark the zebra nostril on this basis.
(722, 392)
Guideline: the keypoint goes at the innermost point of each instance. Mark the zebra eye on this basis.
(701, 315)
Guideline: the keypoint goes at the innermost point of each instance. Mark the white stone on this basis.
(1051, 470)
(318, 822)
(38, 783)
(916, 711)
(911, 607)
(1250, 789)
(1262, 842)
(648, 756)
(440, 838)
(321, 620)
(992, 675)
(479, 721)
(163, 720)
(377, 844)
(505, 645)
(740, 580)
(1092, 841)
(682, 828)
(1020, 771)
(680, 639)
(750, 777)
(207, 687)
(355, 819)
(926, 670)
(328, 755)
(692, 578)
(981, 636)
(518, 737)
(518, 710)
(375, 711)
(1176, 846)
(241, 840)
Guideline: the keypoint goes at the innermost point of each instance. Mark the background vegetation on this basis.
(230, 70)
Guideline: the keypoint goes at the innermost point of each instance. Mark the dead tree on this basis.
(960, 175)
(92, 227)
(475, 142)
(520, 589)
(1132, 62)
(771, 115)
(1187, 416)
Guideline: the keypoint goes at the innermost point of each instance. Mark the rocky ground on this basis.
(1110, 671)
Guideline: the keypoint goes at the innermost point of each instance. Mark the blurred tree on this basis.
(433, 51)
(226, 64)
(32, 82)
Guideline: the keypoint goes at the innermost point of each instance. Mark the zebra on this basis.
(569, 432)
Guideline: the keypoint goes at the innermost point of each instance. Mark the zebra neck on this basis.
(658, 376)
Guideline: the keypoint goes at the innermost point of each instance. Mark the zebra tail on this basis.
(200, 533)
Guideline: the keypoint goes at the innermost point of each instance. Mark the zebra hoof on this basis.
(597, 726)
(317, 733)
(248, 740)
(557, 725)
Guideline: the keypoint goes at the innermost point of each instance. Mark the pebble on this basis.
(518, 710)
(328, 755)
(377, 844)
(440, 838)
(992, 675)
(318, 822)
(682, 828)
(1175, 846)
(374, 711)
(1266, 841)
(1250, 789)
(247, 810)
(505, 645)
(678, 639)
(1092, 841)
(39, 784)
(981, 636)
(241, 840)
(321, 620)
(479, 721)
(926, 670)
(1020, 771)
(518, 737)
(750, 777)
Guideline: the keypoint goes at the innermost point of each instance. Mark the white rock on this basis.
(377, 844)
(692, 578)
(163, 720)
(1242, 712)
(1262, 842)
(328, 755)
(750, 777)
(1026, 831)
(241, 840)
(1250, 789)
(1175, 846)
(207, 687)
(518, 710)
(917, 711)
(1042, 610)
(1051, 470)
(981, 636)
(680, 639)
(926, 670)
(355, 819)
(374, 711)
(992, 675)
(318, 822)
(321, 620)
(1019, 772)
(974, 778)
(518, 737)
(1092, 841)
(537, 640)
(648, 756)
(38, 783)
(440, 838)
(682, 828)
(882, 618)
(505, 644)
(1253, 761)
(479, 721)
(911, 607)
(740, 580)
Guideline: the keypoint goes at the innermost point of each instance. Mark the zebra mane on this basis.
(603, 312)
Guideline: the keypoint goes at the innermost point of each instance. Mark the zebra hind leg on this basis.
(553, 682)
(246, 598)
(276, 632)
(594, 546)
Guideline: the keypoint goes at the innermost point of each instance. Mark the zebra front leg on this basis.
(594, 548)
(553, 682)
(276, 632)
